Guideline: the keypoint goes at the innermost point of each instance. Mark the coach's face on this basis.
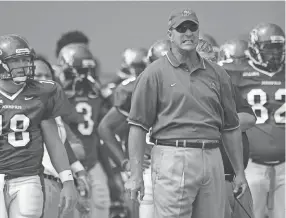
(185, 36)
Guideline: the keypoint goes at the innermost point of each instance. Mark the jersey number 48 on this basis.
(263, 116)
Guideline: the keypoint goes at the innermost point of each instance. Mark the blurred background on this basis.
(114, 26)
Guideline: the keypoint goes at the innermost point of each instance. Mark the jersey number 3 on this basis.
(19, 137)
(85, 128)
(279, 114)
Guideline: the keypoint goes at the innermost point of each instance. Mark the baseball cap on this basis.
(178, 16)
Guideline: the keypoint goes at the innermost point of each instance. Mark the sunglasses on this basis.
(184, 27)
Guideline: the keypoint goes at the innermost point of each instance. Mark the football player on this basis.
(126, 71)
(27, 113)
(77, 67)
(211, 40)
(232, 56)
(44, 71)
(135, 61)
(262, 84)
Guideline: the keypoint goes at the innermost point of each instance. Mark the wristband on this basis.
(66, 175)
(77, 166)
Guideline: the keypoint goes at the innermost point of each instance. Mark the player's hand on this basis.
(83, 205)
(68, 197)
(240, 185)
(146, 162)
(83, 184)
(127, 167)
(135, 186)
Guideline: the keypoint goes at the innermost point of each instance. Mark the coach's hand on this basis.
(68, 197)
(240, 184)
(133, 186)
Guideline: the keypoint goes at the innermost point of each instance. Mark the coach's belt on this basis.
(268, 163)
(229, 177)
(50, 177)
(188, 143)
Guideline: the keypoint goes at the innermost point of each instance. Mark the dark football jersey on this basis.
(265, 92)
(89, 106)
(21, 142)
(123, 94)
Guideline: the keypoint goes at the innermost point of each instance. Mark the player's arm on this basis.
(55, 146)
(231, 132)
(246, 115)
(106, 131)
(75, 143)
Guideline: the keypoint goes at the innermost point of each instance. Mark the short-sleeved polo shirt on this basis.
(181, 103)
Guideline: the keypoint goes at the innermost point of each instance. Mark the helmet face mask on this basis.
(233, 52)
(266, 47)
(19, 68)
(16, 59)
(78, 65)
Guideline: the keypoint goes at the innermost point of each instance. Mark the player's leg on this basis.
(146, 209)
(52, 198)
(210, 200)
(26, 197)
(279, 192)
(3, 209)
(100, 199)
(258, 182)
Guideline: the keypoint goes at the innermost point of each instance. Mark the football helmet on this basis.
(134, 61)
(266, 46)
(158, 49)
(77, 67)
(16, 59)
(211, 41)
(233, 51)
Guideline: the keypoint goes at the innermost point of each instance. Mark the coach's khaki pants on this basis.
(187, 182)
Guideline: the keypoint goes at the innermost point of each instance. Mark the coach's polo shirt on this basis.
(181, 103)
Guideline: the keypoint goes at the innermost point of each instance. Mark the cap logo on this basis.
(186, 13)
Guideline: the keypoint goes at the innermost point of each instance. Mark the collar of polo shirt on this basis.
(175, 63)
